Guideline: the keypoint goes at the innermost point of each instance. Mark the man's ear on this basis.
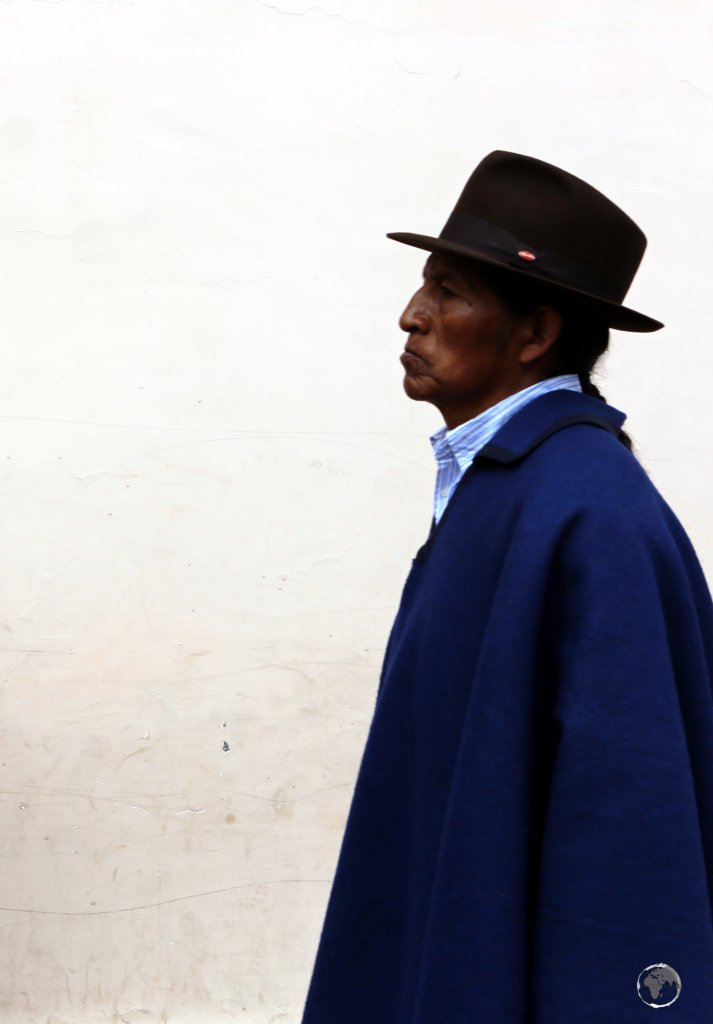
(544, 326)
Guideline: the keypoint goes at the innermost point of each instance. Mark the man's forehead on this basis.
(436, 263)
(439, 264)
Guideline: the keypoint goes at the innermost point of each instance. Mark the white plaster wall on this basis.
(212, 482)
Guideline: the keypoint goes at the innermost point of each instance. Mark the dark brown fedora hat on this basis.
(538, 221)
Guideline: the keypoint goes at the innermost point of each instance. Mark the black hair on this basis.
(583, 339)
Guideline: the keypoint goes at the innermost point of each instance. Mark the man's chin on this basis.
(415, 390)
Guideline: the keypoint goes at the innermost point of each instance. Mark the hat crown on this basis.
(552, 211)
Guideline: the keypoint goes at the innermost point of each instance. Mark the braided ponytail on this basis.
(589, 388)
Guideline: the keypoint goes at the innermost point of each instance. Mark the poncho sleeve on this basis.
(623, 915)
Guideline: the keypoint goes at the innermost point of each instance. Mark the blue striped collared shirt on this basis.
(455, 449)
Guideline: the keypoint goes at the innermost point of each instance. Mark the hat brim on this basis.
(618, 317)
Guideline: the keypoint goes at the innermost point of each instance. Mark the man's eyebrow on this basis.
(439, 272)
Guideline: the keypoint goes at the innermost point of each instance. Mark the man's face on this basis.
(462, 354)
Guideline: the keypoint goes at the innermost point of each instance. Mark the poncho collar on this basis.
(542, 417)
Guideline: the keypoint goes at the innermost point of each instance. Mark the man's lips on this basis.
(408, 356)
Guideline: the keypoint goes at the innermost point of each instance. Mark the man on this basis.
(530, 839)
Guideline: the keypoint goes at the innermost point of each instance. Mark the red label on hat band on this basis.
(525, 254)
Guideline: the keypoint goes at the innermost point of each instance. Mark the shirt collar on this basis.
(464, 441)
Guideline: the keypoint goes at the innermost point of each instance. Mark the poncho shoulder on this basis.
(531, 832)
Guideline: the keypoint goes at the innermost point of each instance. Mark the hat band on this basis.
(489, 240)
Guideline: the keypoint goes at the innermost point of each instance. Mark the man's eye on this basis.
(446, 291)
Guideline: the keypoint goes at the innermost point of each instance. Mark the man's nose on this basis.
(415, 316)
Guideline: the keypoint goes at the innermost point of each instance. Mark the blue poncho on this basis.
(531, 832)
